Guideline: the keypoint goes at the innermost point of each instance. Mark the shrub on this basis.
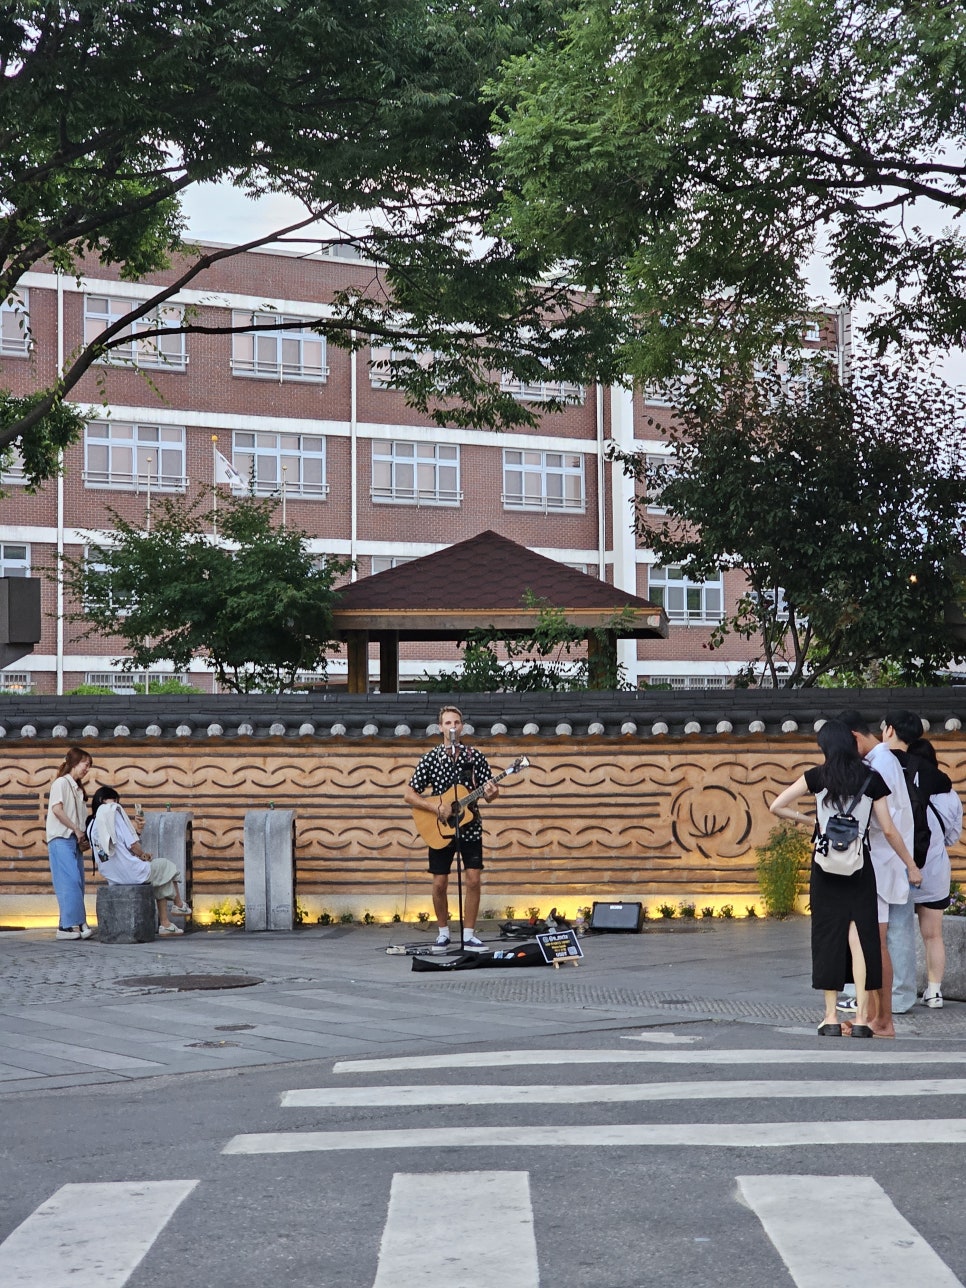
(346, 918)
(326, 918)
(667, 910)
(368, 919)
(230, 912)
(707, 912)
(727, 910)
(782, 865)
(688, 911)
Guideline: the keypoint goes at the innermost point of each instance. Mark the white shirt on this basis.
(935, 875)
(123, 867)
(68, 793)
(891, 874)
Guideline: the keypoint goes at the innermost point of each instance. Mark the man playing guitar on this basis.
(453, 765)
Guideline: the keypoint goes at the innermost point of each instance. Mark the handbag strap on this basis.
(859, 794)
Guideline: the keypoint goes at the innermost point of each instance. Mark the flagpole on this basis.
(148, 461)
(284, 469)
(214, 476)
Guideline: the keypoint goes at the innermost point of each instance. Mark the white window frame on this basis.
(93, 562)
(298, 353)
(382, 355)
(123, 682)
(422, 462)
(695, 595)
(651, 460)
(14, 471)
(13, 564)
(812, 332)
(17, 682)
(144, 444)
(689, 681)
(15, 337)
(544, 468)
(385, 562)
(542, 390)
(157, 352)
(289, 454)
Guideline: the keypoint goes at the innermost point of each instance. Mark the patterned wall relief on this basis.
(591, 814)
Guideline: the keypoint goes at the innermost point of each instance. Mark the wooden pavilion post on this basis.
(357, 656)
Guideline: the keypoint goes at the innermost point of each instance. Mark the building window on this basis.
(94, 562)
(654, 483)
(542, 390)
(15, 325)
(134, 457)
(686, 681)
(416, 474)
(543, 481)
(271, 460)
(21, 682)
(813, 332)
(13, 471)
(684, 600)
(158, 351)
(297, 353)
(383, 356)
(657, 394)
(382, 563)
(14, 560)
(132, 681)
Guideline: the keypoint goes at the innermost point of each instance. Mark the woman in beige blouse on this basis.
(66, 838)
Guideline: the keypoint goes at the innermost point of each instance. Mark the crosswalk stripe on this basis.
(843, 1052)
(89, 1236)
(930, 1131)
(800, 1212)
(443, 1227)
(589, 1093)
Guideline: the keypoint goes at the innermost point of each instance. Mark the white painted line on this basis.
(446, 1227)
(668, 1039)
(611, 1093)
(89, 1236)
(845, 1051)
(803, 1215)
(929, 1131)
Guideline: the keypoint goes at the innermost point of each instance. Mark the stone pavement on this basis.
(82, 1013)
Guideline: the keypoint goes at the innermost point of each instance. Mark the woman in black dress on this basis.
(845, 929)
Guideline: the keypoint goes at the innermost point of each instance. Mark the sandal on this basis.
(830, 1030)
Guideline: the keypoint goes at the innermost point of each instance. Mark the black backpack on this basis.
(919, 801)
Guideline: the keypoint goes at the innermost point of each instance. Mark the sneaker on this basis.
(181, 909)
(442, 939)
(933, 999)
(85, 931)
(170, 930)
(472, 941)
(72, 932)
(846, 1002)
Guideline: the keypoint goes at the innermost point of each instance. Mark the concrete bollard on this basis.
(954, 939)
(269, 869)
(126, 914)
(168, 835)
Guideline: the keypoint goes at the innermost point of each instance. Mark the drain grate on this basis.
(210, 1044)
(185, 983)
(232, 1028)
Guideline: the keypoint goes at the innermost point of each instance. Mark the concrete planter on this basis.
(954, 980)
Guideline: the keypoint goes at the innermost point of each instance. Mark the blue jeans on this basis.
(901, 942)
(67, 870)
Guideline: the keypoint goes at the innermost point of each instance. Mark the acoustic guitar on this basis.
(437, 834)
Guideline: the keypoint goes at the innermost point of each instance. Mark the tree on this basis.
(844, 505)
(253, 600)
(688, 158)
(112, 108)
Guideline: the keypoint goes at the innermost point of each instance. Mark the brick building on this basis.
(365, 475)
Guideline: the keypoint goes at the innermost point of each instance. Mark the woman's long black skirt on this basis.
(835, 903)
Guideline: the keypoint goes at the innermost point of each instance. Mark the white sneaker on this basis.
(170, 930)
(181, 909)
(442, 939)
(933, 998)
(72, 932)
(472, 941)
(85, 931)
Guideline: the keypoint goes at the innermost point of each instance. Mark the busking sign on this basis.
(560, 946)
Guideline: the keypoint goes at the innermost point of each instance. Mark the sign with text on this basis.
(560, 946)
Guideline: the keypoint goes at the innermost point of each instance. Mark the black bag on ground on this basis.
(458, 961)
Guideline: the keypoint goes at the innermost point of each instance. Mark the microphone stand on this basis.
(457, 840)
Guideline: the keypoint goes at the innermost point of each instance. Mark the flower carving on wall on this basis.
(712, 818)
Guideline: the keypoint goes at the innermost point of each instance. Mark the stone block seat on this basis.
(126, 914)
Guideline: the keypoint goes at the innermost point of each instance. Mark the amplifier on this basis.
(617, 917)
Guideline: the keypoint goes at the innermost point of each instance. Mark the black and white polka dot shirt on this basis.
(439, 770)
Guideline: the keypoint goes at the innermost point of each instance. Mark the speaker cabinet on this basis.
(626, 918)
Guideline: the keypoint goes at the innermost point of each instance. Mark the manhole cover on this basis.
(183, 983)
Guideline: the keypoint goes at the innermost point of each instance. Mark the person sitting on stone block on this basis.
(121, 860)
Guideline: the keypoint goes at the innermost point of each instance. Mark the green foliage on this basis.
(325, 918)
(957, 904)
(90, 691)
(782, 868)
(690, 161)
(847, 499)
(368, 919)
(751, 912)
(396, 918)
(299, 915)
(727, 911)
(346, 918)
(166, 688)
(687, 911)
(509, 912)
(230, 912)
(255, 601)
(422, 917)
(707, 912)
(547, 658)
(667, 910)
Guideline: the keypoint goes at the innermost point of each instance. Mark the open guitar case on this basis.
(518, 955)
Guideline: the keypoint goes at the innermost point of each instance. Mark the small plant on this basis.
(782, 867)
(586, 912)
(688, 911)
(727, 910)
(90, 691)
(957, 901)
(644, 912)
(396, 919)
(489, 914)
(346, 918)
(230, 912)
(707, 912)
(422, 917)
(325, 918)
(667, 910)
(299, 915)
(751, 911)
(533, 913)
(509, 912)
(368, 919)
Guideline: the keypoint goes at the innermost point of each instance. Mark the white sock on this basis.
(469, 932)
(444, 930)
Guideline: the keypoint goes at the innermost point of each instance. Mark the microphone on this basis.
(453, 744)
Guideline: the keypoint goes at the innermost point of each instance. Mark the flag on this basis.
(225, 472)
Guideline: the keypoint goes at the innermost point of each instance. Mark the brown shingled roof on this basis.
(485, 580)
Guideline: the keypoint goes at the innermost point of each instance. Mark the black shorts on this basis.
(441, 861)
(938, 904)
